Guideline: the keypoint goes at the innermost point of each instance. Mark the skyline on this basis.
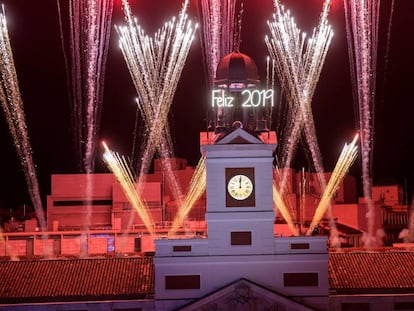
(41, 73)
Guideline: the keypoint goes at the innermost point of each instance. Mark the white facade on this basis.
(241, 243)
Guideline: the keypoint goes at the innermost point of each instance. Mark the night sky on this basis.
(37, 49)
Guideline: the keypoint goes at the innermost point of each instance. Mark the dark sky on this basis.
(36, 42)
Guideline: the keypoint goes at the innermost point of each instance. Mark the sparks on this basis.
(218, 32)
(298, 62)
(196, 188)
(119, 167)
(219, 35)
(155, 64)
(90, 24)
(362, 18)
(345, 160)
(281, 206)
(12, 104)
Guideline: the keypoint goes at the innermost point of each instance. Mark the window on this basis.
(300, 279)
(182, 248)
(406, 305)
(299, 246)
(19, 238)
(137, 245)
(111, 244)
(82, 202)
(355, 306)
(182, 282)
(241, 238)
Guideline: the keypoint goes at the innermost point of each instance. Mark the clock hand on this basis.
(240, 180)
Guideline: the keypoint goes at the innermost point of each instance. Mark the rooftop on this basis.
(60, 280)
(351, 271)
(381, 271)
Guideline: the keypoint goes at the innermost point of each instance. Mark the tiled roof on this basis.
(384, 271)
(93, 279)
(76, 279)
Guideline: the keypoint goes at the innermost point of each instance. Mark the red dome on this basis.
(236, 71)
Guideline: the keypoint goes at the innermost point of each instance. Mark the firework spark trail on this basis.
(196, 188)
(218, 18)
(298, 64)
(317, 47)
(180, 48)
(138, 51)
(218, 32)
(362, 18)
(280, 205)
(155, 65)
(286, 200)
(345, 160)
(287, 40)
(119, 167)
(13, 108)
(90, 23)
(300, 71)
(387, 48)
(146, 58)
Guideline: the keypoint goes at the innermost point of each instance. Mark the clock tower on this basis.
(240, 262)
(239, 193)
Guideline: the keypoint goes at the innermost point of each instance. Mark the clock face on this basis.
(240, 187)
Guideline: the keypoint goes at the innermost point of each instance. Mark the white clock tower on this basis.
(240, 212)
(240, 263)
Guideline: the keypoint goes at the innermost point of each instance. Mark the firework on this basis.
(218, 18)
(90, 24)
(281, 206)
(12, 104)
(345, 160)
(220, 36)
(119, 167)
(197, 187)
(155, 64)
(362, 19)
(298, 62)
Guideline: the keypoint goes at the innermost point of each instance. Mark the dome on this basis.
(236, 71)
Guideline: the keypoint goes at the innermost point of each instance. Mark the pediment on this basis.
(239, 136)
(244, 295)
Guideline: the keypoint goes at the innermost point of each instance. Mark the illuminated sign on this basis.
(251, 98)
